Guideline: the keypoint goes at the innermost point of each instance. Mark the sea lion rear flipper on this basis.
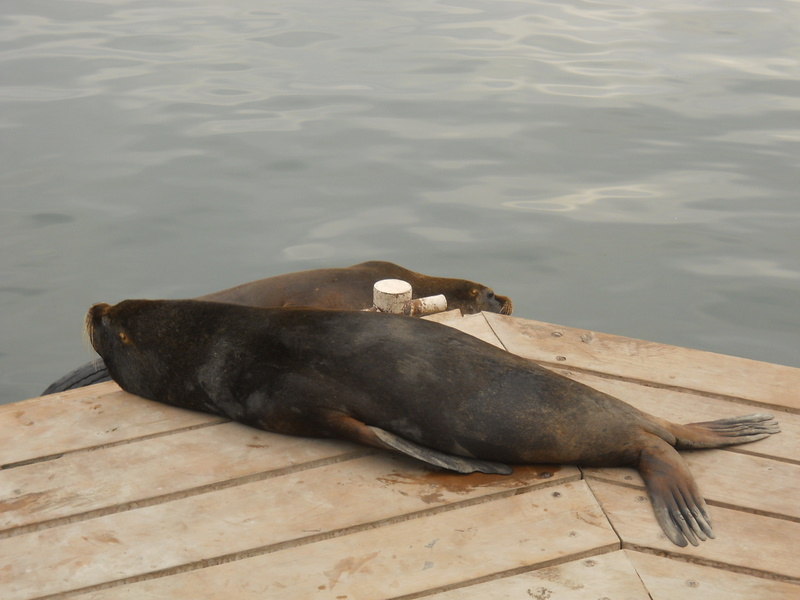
(439, 459)
(677, 502)
(88, 374)
(724, 432)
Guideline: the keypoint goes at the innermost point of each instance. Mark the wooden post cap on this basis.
(390, 295)
(394, 296)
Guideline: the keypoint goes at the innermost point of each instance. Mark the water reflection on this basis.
(624, 167)
(581, 200)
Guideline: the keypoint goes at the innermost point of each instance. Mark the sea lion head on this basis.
(118, 335)
(474, 298)
(468, 296)
(144, 352)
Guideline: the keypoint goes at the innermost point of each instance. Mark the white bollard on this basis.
(389, 295)
(394, 296)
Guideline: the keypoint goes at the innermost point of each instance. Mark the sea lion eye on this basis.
(123, 337)
(489, 294)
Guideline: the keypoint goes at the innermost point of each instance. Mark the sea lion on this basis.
(346, 288)
(406, 385)
(351, 288)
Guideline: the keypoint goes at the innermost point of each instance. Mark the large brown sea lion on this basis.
(346, 288)
(407, 385)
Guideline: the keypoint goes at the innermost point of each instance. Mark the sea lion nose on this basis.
(96, 316)
(98, 310)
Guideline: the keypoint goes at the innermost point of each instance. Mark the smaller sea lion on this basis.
(406, 385)
(346, 288)
(351, 288)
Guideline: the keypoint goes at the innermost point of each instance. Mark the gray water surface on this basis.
(626, 167)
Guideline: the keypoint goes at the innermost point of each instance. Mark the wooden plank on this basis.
(476, 326)
(669, 579)
(136, 472)
(685, 407)
(236, 520)
(447, 316)
(85, 418)
(413, 556)
(763, 383)
(744, 541)
(733, 480)
(602, 576)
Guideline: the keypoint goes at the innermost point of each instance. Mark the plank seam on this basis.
(706, 562)
(635, 570)
(719, 503)
(496, 335)
(561, 368)
(311, 539)
(186, 493)
(743, 449)
(600, 550)
(600, 504)
(149, 436)
(614, 340)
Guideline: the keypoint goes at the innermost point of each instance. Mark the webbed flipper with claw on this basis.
(679, 507)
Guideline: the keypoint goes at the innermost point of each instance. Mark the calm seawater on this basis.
(629, 167)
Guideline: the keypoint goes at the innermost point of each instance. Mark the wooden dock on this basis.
(104, 495)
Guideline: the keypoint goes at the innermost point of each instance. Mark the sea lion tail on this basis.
(724, 432)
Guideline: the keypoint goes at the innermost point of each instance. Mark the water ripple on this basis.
(645, 151)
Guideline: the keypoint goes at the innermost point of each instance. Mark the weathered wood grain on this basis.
(519, 532)
(745, 542)
(669, 579)
(763, 383)
(257, 515)
(150, 468)
(88, 417)
(601, 576)
(476, 326)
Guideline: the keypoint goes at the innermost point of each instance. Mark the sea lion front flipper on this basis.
(346, 427)
(677, 502)
(439, 459)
